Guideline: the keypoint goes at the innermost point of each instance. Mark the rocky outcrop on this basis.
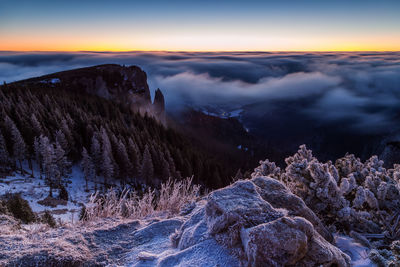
(261, 230)
(159, 105)
(125, 85)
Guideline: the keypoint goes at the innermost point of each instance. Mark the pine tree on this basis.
(69, 139)
(49, 167)
(4, 156)
(105, 140)
(38, 155)
(123, 160)
(87, 167)
(172, 169)
(114, 143)
(37, 128)
(62, 163)
(95, 151)
(107, 166)
(165, 169)
(147, 169)
(60, 138)
(156, 158)
(134, 157)
(107, 160)
(19, 147)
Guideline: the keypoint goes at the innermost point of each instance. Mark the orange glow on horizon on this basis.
(199, 43)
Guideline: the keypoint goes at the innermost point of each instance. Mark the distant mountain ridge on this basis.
(124, 84)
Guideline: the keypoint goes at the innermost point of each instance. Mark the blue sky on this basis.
(199, 25)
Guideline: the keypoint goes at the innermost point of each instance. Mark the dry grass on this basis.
(171, 197)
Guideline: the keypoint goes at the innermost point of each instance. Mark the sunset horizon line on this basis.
(198, 51)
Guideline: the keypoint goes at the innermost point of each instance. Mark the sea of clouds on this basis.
(359, 88)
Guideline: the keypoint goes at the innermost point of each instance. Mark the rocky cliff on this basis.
(159, 105)
(125, 85)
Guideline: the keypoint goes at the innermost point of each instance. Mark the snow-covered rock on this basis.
(258, 233)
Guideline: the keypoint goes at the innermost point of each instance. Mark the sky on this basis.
(207, 25)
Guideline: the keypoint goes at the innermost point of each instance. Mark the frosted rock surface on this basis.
(259, 232)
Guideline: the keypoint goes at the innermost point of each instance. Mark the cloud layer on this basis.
(358, 90)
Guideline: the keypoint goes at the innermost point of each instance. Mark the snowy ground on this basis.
(222, 112)
(357, 252)
(34, 190)
(111, 242)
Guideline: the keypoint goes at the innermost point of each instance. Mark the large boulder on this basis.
(253, 221)
(289, 241)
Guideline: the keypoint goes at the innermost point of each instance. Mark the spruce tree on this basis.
(123, 160)
(49, 168)
(105, 140)
(19, 147)
(38, 155)
(172, 169)
(37, 128)
(95, 151)
(107, 168)
(147, 169)
(87, 167)
(4, 156)
(62, 163)
(134, 157)
(165, 174)
(69, 139)
(60, 138)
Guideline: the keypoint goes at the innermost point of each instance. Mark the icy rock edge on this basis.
(263, 224)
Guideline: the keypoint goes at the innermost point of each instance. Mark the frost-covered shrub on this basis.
(315, 183)
(48, 219)
(20, 208)
(348, 195)
(3, 208)
(267, 168)
(82, 213)
(63, 194)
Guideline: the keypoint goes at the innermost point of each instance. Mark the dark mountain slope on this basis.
(125, 85)
(76, 117)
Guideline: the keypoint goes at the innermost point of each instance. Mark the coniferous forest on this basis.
(57, 128)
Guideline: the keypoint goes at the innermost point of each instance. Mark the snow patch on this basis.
(221, 112)
(52, 81)
(357, 252)
(34, 190)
